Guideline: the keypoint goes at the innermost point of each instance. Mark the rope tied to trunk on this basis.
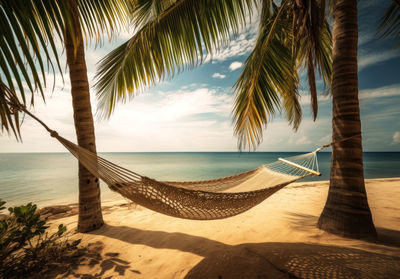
(336, 141)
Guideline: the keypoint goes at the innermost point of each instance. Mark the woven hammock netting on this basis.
(198, 200)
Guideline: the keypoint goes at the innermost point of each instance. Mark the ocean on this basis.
(51, 178)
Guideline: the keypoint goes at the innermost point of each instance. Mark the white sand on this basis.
(276, 239)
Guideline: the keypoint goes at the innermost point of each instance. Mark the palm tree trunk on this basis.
(90, 216)
(346, 211)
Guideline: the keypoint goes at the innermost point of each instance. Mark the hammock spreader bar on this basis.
(316, 173)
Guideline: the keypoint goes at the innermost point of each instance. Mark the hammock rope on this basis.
(197, 200)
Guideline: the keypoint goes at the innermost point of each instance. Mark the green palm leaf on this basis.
(312, 34)
(176, 35)
(171, 38)
(390, 22)
(26, 45)
(268, 75)
(28, 32)
(269, 81)
(104, 17)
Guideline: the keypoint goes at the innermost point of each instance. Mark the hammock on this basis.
(197, 200)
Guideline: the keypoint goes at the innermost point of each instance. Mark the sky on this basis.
(192, 111)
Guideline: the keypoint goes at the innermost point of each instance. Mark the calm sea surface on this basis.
(51, 178)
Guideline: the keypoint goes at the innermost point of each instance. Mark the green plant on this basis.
(26, 244)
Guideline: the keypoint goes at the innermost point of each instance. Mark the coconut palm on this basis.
(40, 22)
(346, 211)
(176, 35)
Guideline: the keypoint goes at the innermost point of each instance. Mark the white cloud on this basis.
(235, 65)
(369, 59)
(242, 44)
(218, 75)
(183, 120)
(279, 135)
(396, 138)
(385, 91)
(365, 37)
(303, 140)
(193, 118)
(306, 99)
(180, 121)
(326, 139)
(189, 119)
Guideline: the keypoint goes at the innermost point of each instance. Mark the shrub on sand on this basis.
(27, 246)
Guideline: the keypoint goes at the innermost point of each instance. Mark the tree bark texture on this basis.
(346, 211)
(90, 215)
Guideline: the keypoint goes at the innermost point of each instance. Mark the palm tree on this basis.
(90, 215)
(70, 20)
(176, 35)
(346, 211)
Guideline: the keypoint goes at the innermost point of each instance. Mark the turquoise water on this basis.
(50, 178)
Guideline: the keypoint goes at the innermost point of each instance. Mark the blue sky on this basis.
(192, 112)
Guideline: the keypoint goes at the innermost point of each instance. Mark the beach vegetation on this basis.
(27, 245)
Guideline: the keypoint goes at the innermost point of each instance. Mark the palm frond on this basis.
(269, 74)
(26, 46)
(290, 98)
(9, 114)
(104, 17)
(170, 39)
(145, 11)
(313, 87)
(291, 35)
(29, 30)
(314, 43)
(390, 22)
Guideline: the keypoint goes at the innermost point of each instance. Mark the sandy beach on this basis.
(276, 239)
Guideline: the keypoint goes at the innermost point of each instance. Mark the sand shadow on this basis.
(91, 257)
(306, 222)
(388, 237)
(263, 260)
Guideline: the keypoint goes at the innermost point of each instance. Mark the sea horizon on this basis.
(48, 178)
